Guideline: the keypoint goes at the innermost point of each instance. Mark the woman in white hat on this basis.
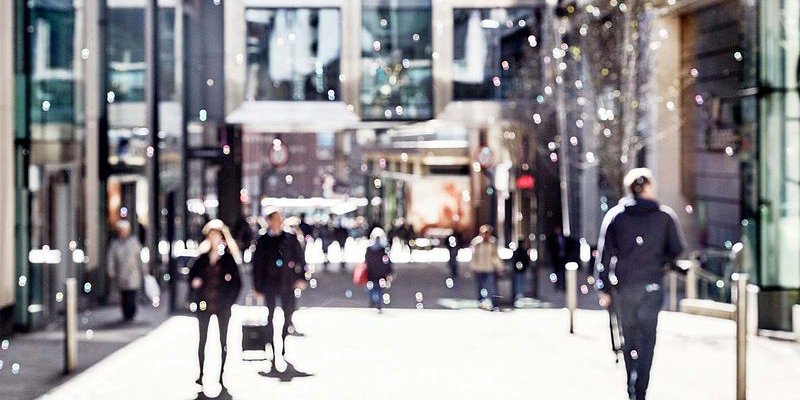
(215, 284)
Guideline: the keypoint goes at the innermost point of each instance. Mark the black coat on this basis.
(379, 266)
(637, 239)
(521, 260)
(278, 263)
(228, 280)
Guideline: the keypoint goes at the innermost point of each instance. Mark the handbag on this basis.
(360, 275)
(151, 288)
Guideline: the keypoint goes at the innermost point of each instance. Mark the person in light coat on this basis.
(486, 265)
(125, 267)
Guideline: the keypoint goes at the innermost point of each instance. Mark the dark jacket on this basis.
(521, 260)
(562, 252)
(379, 266)
(637, 239)
(278, 263)
(220, 290)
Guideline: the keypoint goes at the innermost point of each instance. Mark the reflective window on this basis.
(494, 53)
(293, 54)
(779, 124)
(52, 78)
(50, 156)
(126, 55)
(396, 61)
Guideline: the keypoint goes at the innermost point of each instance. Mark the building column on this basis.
(7, 245)
(93, 56)
(664, 155)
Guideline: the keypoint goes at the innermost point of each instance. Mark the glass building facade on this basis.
(396, 51)
(494, 53)
(49, 166)
(293, 54)
(777, 102)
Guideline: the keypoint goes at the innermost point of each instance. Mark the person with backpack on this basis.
(279, 268)
(638, 238)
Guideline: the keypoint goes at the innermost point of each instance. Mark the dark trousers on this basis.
(637, 310)
(518, 285)
(487, 286)
(560, 269)
(453, 264)
(287, 304)
(375, 292)
(128, 303)
(203, 319)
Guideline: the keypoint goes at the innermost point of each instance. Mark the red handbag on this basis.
(360, 274)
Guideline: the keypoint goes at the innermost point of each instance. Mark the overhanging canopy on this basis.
(293, 116)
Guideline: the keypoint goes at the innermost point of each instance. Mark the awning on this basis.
(293, 116)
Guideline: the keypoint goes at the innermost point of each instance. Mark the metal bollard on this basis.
(741, 296)
(71, 326)
(571, 289)
(673, 291)
(691, 280)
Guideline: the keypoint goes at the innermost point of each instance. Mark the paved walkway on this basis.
(39, 355)
(444, 354)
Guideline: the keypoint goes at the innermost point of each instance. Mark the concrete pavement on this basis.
(443, 354)
(39, 355)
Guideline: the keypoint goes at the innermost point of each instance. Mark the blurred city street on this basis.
(451, 199)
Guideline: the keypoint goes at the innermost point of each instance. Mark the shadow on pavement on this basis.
(287, 375)
(223, 395)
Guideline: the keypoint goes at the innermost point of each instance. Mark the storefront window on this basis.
(126, 55)
(396, 60)
(49, 165)
(52, 77)
(293, 54)
(780, 144)
(494, 53)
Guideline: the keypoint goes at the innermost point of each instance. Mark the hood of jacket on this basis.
(639, 206)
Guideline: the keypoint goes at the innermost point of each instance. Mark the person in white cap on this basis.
(637, 239)
(279, 267)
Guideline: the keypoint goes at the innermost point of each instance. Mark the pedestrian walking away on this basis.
(562, 249)
(125, 267)
(637, 239)
(453, 246)
(520, 264)
(379, 267)
(279, 267)
(486, 265)
(340, 236)
(215, 283)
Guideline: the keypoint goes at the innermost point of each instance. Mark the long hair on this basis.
(230, 243)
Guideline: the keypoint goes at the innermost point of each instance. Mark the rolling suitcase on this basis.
(254, 331)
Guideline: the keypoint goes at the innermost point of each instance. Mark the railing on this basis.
(731, 297)
(704, 275)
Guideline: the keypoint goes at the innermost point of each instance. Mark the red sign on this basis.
(526, 182)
